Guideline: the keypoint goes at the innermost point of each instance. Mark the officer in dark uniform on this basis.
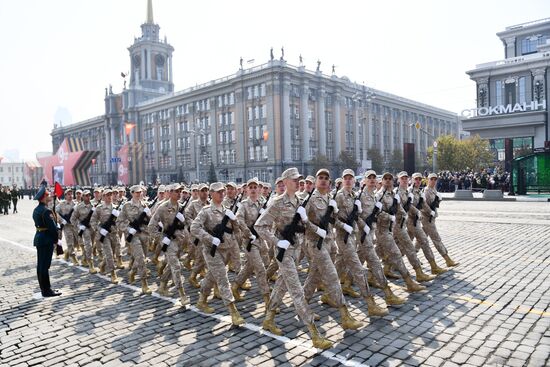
(14, 198)
(44, 240)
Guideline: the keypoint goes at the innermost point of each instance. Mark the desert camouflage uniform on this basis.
(110, 242)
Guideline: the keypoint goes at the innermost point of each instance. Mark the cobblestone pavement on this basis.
(493, 309)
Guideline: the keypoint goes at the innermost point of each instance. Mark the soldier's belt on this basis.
(41, 229)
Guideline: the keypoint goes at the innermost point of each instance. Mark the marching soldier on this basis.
(203, 228)
(384, 237)
(400, 232)
(169, 218)
(133, 219)
(96, 200)
(429, 214)
(234, 249)
(156, 245)
(81, 221)
(44, 240)
(65, 210)
(14, 198)
(414, 225)
(278, 216)
(365, 249)
(347, 260)
(191, 213)
(103, 220)
(321, 267)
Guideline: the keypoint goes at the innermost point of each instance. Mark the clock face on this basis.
(137, 60)
(160, 60)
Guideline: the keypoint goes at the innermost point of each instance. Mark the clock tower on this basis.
(151, 59)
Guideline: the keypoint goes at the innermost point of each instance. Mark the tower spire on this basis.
(149, 12)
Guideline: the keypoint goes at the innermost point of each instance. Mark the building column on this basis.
(304, 122)
(356, 122)
(149, 66)
(510, 50)
(401, 130)
(241, 137)
(213, 129)
(321, 123)
(170, 66)
(287, 142)
(270, 120)
(143, 64)
(369, 124)
(392, 131)
(381, 130)
(337, 126)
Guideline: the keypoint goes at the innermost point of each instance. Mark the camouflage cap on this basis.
(402, 174)
(370, 172)
(279, 179)
(432, 175)
(86, 192)
(135, 188)
(161, 188)
(202, 186)
(417, 174)
(78, 191)
(175, 187)
(387, 174)
(310, 179)
(194, 187)
(253, 180)
(291, 173)
(231, 183)
(268, 185)
(323, 171)
(217, 186)
(107, 191)
(348, 172)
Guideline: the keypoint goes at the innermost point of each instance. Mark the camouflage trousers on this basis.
(254, 264)
(136, 246)
(388, 250)
(421, 238)
(96, 244)
(217, 273)
(347, 261)
(110, 243)
(70, 238)
(288, 280)
(173, 266)
(87, 240)
(234, 253)
(322, 271)
(366, 252)
(431, 231)
(405, 244)
(196, 252)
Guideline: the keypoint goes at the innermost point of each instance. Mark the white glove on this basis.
(321, 232)
(81, 227)
(103, 232)
(366, 229)
(419, 216)
(131, 230)
(180, 217)
(262, 210)
(378, 205)
(432, 213)
(115, 212)
(58, 226)
(411, 196)
(238, 205)
(302, 211)
(252, 237)
(348, 228)
(60, 243)
(93, 208)
(63, 221)
(283, 244)
(439, 196)
(166, 241)
(160, 225)
(332, 203)
(216, 241)
(359, 207)
(147, 211)
(398, 198)
(229, 213)
(392, 218)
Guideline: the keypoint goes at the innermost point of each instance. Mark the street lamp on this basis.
(366, 95)
(418, 127)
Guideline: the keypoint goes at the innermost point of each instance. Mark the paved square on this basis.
(493, 309)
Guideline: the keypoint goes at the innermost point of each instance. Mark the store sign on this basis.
(504, 109)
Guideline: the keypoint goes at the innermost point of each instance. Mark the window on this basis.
(231, 98)
(263, 111)
(521, 89)
(264, 152)
(262, 89)
(249, 109)
(498, 92)
(529, 44)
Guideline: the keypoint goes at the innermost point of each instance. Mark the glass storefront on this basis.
(522, 146)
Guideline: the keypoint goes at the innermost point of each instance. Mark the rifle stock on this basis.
(326, 218)
(221, 228)
(291, 229)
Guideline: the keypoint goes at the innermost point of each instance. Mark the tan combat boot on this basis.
(266, 302)
(374, 309)
(348, 290)
(235, 291)
(389, 273)
(145, 287)
(325, 298)
(436, 270)
(131, 262)
(372, 281)
(449, 261)
(347, 321)
(316, 338)
(163, 289)
(131, 276)
(74, 260)
(391, 298)
(114, 278)
(246, 285)
(193, 280)
(217, 293)
(184, 299)
(202, 304)
(187, 263)
(160, 267)
(84, 262)
(421, 276)
(92, 268)
(66, 256)
(119, 263)
(269, 323)
(155, 259)
(413, 286)
(236, 318)
(102, 267)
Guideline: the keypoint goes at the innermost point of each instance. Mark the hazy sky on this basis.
(59, 55)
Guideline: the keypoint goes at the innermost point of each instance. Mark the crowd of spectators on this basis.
(487, 179)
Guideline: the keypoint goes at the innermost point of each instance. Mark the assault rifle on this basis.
(406, 206)
(86, 221)
(176, 224)
(352, 217)
(140, 220)
(66, 218)
(289, 232)
(392, 210)
(221, 228)
(109, 222)
(434, 205)
(252, 229)
(327, 217)
(419, 207)
(372, 217)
